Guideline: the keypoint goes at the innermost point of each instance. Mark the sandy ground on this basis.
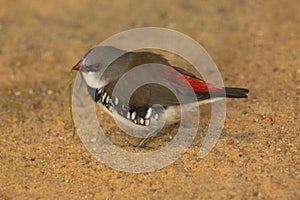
(256, 44)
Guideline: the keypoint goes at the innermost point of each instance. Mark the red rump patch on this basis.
(187, 81)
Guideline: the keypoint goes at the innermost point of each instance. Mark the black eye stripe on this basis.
(93, 68)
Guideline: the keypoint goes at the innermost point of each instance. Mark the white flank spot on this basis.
(116, 100)
(147, 122)
(128, 115)
(156, 116)
(149, 112)
(141, 121)
(104, 96)
(100, 90)
(133, 115)
(107, 99)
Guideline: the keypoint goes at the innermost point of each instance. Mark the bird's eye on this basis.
(96, 67)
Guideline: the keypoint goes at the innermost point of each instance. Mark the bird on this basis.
(151, 105)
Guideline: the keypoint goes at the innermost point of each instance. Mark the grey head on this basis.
(101, 65)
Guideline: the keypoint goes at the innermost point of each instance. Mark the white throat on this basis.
(92, 79)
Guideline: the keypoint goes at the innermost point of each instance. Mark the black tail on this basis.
(236, 92)
(228, 92)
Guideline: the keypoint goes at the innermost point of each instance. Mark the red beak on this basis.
(80, 66)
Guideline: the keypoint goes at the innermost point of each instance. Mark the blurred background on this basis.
(256, 44)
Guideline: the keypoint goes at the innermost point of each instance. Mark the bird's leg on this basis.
(143, 142)
(146, 139)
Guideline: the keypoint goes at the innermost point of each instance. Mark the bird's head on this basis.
(101, 65)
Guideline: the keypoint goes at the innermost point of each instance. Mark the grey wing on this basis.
(151, 94)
